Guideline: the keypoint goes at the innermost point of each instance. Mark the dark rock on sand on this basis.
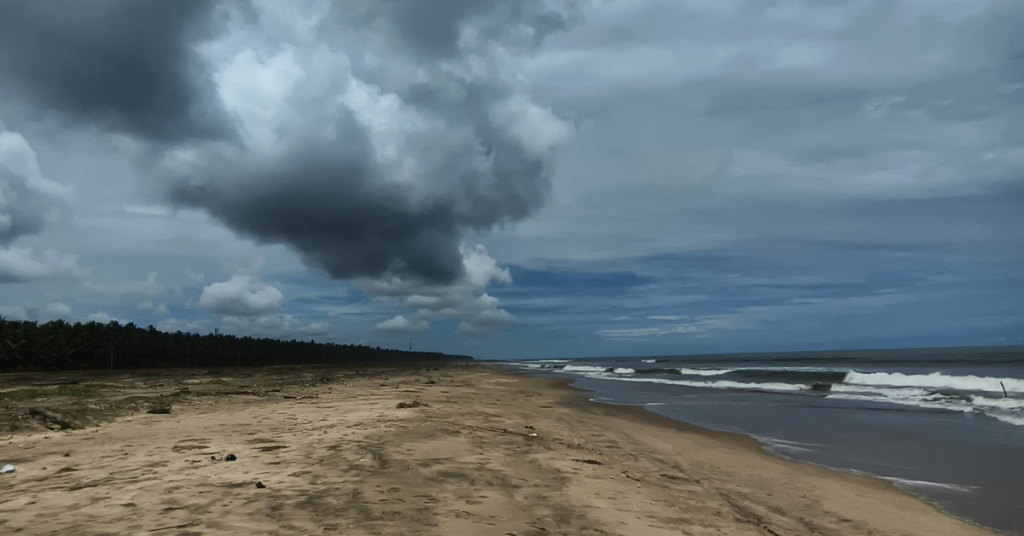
(413, 404)
(160, 408)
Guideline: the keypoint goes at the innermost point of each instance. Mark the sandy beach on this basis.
(482, 452)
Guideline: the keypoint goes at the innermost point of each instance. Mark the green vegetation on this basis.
(59, 345)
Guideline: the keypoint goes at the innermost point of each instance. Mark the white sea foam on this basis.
(1008, 410)
(936, 380)
(782, 446)
(649, 360)
(933, 402)
(998, 403)
(1016, 420)
(624, 371)
(891, 392)
(583, 368)
(919, 484)
(704, 372)
(769, 386)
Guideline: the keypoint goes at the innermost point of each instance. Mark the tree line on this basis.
(58, 345)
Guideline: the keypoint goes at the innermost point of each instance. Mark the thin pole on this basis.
(1004, 390)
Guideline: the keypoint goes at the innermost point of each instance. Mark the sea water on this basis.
(937, 423)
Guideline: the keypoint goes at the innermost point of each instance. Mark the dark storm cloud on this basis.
(328, 198)
(162, 71)
(128, 66)
(387, 183)
(321, 198)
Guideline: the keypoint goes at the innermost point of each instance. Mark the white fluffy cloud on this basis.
(27, 197)
(278, 326)
(58, 310)
(401, 324)
(24, 264)
(28, 201)
(242, 295)
(465, 300)
(101, 317)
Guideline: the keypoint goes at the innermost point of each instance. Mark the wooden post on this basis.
(1004, 390)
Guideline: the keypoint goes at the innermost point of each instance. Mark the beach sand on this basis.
(338, 457)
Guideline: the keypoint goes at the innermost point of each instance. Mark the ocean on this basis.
(944, 424)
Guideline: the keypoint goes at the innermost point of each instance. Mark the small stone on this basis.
(260, 485)
(230, 458)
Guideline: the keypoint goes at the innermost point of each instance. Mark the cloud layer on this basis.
(657, 176)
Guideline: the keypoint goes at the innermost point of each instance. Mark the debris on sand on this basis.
(413, 404)
(230, 458)
(270, 448)
(587, 461)
(51, 420)
(160, 408)
(172, 527)
(260, 485)
(8, 469)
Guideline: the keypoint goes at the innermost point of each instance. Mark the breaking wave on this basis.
(936, 380)
(584, 368)
(934, 391)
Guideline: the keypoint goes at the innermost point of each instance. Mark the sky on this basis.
(519, 179)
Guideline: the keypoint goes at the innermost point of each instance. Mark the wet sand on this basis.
(338, 457)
